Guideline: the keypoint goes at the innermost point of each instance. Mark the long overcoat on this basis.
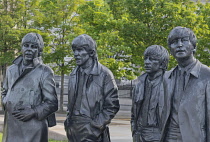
(34, 88)
(102, 96)
(194, 109)
(138, 97)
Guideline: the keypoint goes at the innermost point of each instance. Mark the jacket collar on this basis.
(155, 81)
(195, 70)
(36, 61)
(143, 77)
(96, 69)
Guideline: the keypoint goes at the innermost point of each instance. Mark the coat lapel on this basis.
(94, 75)
(15, 72)
(161, 100)
(72, 88)
(25, 72)
(140, 95)
(169, 81)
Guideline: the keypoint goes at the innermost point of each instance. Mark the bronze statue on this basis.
(29, 98)
(148, 95)
(93, 95)
(186, 114)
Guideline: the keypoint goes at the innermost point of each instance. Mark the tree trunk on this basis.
(1, 78)
(4, 69)
(61, 91)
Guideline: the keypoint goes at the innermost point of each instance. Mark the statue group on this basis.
(167, 106)
(172, 106)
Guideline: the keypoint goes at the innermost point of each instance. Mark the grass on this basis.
(49, 140)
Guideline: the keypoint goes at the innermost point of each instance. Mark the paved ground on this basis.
(119, 127)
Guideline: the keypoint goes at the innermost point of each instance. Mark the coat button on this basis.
(12, 89)
(22, 89)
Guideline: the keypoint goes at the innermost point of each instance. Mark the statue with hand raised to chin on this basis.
(29, 97)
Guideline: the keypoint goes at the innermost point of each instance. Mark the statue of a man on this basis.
(148, 95)
(186, 114)
(93, 95)
(29, 96)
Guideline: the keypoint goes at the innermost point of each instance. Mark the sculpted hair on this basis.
(87, 42)
(34, 38)
(179, 31)
(160, 53)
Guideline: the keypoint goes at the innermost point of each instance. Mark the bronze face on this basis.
(30, 51)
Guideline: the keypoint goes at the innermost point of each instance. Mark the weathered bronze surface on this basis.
(29, 98)
(186, 113)
(93, 95)
(147, 103)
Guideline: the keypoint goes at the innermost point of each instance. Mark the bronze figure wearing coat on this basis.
(186, 113)
(29, 98)
(93, 95)
(147, 102)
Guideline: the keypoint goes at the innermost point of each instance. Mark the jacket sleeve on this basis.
(49, 96)
(110, 106)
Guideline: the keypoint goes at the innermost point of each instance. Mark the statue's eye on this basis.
(185, 39)
(26, 45)
(174, 41)
(34, 46)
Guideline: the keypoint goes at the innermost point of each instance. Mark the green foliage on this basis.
(0, 136)
(60, 19)
(97, 20)
(150, 21)
(9, 37)
(123, 29)
(203, 33)
(13, 28)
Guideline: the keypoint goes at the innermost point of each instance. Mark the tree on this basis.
(148, 22)
(203, 33)
(59, 19)
(98, 21)
(13, 26)
(122, 29)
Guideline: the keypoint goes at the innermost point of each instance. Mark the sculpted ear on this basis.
(92, 53)
(162, 66)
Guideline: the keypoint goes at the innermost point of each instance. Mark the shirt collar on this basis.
(155, 81)
(188, 68)
(86, 70)
(193, 70)
(94, 70)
